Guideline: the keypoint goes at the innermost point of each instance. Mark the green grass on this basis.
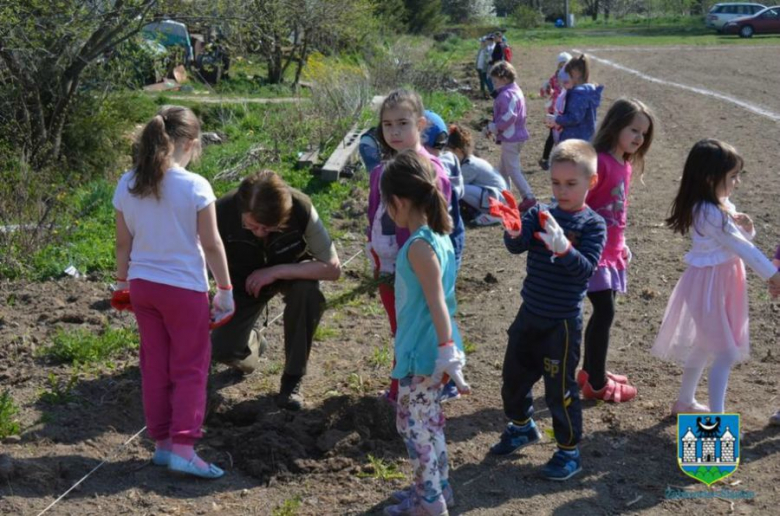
(288, 508)
(381, 358)
(469, 347)
(81, 346)
(59, 392)
(325, 333)
(8, 410)
(381, 470)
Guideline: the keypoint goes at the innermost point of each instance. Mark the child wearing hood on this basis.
(578, 121)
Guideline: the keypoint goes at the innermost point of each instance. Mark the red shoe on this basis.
(582, 377)
(612, 391)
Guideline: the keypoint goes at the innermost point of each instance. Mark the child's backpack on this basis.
(507, 53)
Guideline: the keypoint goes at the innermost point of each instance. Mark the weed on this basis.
(355, 384)
(289, 507)
(381, 358)
(274, 368)
(469, 347)
(381, 470)
(81, 346)
(8, 409)
(59, 392)
(324, 333)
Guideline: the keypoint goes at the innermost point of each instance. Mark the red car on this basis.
(763, 22)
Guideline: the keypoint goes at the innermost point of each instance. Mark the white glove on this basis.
(552, 236)
(222, 306)
(627, 255)
(450, 361)
(121, 285)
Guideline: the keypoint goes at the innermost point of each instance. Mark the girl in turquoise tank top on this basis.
(428, 346)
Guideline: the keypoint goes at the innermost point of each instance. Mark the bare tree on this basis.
(45, 48)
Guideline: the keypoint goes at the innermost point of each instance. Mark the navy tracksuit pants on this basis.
(544, 348)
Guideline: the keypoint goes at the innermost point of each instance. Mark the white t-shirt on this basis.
(166, 248)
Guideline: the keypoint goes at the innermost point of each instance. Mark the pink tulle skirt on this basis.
(707, 313)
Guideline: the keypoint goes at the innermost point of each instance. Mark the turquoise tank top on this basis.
(416, 343)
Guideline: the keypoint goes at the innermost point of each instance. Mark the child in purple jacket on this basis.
(508, 126)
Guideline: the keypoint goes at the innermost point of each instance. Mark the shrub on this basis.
(525, 17)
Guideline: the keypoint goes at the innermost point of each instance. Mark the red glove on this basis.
(120, 300)
(508, 213)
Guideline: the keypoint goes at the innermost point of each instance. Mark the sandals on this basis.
(612, 391)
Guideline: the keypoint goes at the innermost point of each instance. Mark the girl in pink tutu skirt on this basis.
(706, 320)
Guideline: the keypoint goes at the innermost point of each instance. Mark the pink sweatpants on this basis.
(175, 355)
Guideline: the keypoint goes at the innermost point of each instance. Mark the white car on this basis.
(720, 14)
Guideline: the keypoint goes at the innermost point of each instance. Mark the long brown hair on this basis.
(620, 115)
(171, 126)
(410, 176)
(266, 197)
(397, 98)
(705, 169)
(580, 64)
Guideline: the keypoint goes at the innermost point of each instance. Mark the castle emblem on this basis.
(708, 445)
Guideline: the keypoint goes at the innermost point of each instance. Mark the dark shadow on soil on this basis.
(90, 408)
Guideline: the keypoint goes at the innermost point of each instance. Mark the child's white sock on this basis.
(690, 379)
(718, 381)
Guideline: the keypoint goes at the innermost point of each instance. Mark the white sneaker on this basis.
(485, 219)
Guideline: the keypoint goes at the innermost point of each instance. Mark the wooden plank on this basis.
(342, 156)
(308, 158)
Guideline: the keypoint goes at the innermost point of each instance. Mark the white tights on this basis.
(718, 378)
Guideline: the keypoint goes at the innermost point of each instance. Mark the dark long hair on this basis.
(397, 98)
(620, 115)
(172, 124)
(705, 169)
(410, 176)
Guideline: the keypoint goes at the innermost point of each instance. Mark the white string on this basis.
(131, 439)
(111, 456)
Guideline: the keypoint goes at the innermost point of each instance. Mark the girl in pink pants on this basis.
(166, 233)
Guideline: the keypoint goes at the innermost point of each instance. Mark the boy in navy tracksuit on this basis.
(564, 242)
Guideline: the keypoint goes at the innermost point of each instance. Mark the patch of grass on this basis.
(356, 384)
(381, 470)
(58, 392)
(325, 332)
(381, 358)
(288, 508)
(81, 346)
(469, 347)
(274, 368)
(8, 410)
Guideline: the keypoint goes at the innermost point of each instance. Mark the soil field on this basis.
(317, 461)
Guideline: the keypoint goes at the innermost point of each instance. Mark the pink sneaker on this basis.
(527, 204)
(679, 407)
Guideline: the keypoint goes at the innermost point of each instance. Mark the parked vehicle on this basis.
(170, 33)
(720, 14)
(764, 22)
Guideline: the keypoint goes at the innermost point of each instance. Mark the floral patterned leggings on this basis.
(420, 422)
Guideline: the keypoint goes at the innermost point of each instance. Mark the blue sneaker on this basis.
(161, 457)
(563, 465)
(515, 437)
(449, 392)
